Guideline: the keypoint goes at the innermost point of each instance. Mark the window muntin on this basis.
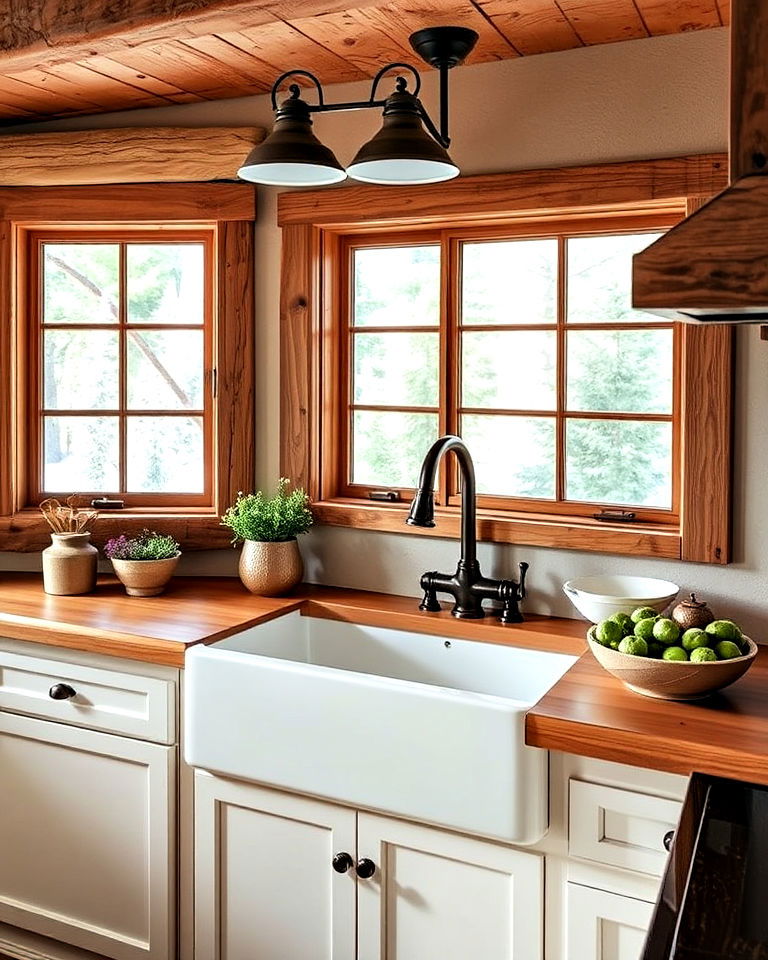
(587, 416)
(120, 341)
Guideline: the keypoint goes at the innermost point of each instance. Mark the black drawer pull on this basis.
(62, 691)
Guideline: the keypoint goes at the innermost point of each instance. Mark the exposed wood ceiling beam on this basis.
(42, 33)
(126, 155)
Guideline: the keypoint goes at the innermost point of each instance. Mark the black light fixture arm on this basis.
(441, 135)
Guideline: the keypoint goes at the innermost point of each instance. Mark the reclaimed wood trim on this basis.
(126, 155)
(503, 528)
(236, 361)
(749, 89)
(8, 366)
(707, 430)
(25, 531)
(465, 200)
(129, 203)
(591, 714)
(299, 413)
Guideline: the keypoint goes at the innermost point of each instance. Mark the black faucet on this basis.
(467, 586)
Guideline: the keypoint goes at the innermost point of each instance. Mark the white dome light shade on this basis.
(287, 174)
(292, 156)
(402, 152)
(398, 171)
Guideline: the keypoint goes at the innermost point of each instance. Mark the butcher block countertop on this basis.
(205, 609)
(590, 713)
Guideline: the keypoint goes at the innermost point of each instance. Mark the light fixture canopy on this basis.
(409, 148)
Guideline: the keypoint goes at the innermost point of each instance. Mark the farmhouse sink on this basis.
(405, 723)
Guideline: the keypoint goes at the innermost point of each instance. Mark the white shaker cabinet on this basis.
(443, 895)
(605, 926)
(85, 838)
(88, 853)
(266, 886)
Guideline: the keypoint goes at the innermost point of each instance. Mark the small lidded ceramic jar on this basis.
(69, 564)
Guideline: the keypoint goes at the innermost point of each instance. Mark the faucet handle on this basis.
(429, 600)
(521, 585)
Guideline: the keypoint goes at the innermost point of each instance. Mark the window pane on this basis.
(600, 278)
(619, 461)
(165, 369)
(397, 369)
(388, 447)
(514, 456)
(397, 287)
(514, 281)
(80, 454)
(509, 369)
(80, 370)
(80, 282)
(621, 371)
(165, 282)
(165, 455)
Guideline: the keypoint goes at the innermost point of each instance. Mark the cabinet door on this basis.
(264, 885)
(86, 849)
(605, 926)
(437, 894)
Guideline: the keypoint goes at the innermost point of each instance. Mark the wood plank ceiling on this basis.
(240, 60)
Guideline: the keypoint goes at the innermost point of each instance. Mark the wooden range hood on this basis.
(713, 267)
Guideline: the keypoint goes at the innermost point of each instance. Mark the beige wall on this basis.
(660, 97)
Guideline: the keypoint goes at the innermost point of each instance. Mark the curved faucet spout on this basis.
(423, 506)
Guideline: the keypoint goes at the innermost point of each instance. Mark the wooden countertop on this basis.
(590, 713)
(205, 609)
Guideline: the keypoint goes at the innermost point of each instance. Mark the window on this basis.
(499, 308)
(121, 366)
(564, 394)
(127, 354)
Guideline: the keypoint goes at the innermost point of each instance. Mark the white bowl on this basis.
(600, 597)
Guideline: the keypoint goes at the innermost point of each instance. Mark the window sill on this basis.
(27, 532)
(648, 540)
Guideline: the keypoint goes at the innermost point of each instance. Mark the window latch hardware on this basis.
(104, 503)
(391, 496)
(616, 516)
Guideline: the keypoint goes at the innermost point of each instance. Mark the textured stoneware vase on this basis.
(270, 569)
(69, 564)
(145, 578)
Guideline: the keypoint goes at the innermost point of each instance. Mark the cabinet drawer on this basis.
(122, 703)
(619, 828)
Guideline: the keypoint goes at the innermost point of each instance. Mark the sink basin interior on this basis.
(483, 668)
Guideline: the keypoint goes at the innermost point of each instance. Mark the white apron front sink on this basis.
(406, 723)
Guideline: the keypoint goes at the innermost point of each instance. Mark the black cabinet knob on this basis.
(342, 862)
(62, 691)
(365, 868)
(669, 836)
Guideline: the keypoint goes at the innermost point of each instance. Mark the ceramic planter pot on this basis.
(270, 569)
(145, 578)
(69, 564)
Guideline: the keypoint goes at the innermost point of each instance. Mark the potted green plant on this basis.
(270, 561)
(143, 564)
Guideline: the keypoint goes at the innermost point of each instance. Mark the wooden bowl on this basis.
(672, 679)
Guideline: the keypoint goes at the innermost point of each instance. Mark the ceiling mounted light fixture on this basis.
(409, 148)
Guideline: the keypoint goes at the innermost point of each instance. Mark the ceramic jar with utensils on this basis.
(69, 564)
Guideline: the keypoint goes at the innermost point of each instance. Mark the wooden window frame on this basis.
(224, 212)
(315, 225)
